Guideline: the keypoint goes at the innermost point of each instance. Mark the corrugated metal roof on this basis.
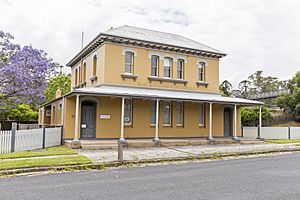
(171, 94)
(159, 37)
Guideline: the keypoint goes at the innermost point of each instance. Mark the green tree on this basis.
(22, 112)
(62, 82)
(225, 88)
(250, 116)
(244, 88)
(291, 102)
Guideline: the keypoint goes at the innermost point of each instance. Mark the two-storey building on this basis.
(130, 82)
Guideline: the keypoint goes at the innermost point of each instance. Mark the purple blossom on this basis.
(24, 72)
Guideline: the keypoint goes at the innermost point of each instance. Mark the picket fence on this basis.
(29, 139)
(272, 132)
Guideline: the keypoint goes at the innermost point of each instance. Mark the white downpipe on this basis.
(156, 138)
(62, 111)
(76, 119)
(210, 137)
(43, 115)
(122, 139)
(235, 124)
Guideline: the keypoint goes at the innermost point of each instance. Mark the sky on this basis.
(256, 34)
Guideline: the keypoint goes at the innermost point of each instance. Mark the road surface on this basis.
(272, 177)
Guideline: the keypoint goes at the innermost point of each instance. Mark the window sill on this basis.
(165, 79)
(130, 76)
(202, 83)
(82, 84)
(93, 78)
(167, 125)
(76, 87)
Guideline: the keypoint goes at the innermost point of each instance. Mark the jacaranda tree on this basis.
(24, 72)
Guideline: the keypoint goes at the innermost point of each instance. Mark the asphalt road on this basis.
(273, 177)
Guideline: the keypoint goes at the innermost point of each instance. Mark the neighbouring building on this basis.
(131, 82)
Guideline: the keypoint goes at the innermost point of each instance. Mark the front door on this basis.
(88, 120)
(227, 122)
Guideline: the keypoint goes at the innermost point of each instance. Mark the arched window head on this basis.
(95, 65)
(129, 62)
(168, 67)
(201, 71)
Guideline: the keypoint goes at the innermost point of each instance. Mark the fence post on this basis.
(120, 152)
(13, 136)
(44, 137)
(258, 132)
(62, 135)
(289, 132)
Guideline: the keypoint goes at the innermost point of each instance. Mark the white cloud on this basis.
(256, 34)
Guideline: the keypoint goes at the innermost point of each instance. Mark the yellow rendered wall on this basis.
(141, 128)
(115, 66)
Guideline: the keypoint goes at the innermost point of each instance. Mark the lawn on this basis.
(50, 151)
(282, 141)
(44, 162)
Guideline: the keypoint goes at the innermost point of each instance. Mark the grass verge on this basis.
(50, 151)
(282, 141)
(44, 162)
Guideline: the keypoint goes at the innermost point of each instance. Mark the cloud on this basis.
(257, 35)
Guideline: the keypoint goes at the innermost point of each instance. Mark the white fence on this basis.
(29, 139)
(272, 132)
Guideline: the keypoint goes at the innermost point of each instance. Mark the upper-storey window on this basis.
(94, 65)
(168, 67)
(129, 62)
(80, 74)
(76, 76)
(154, 65)
(180, 68)
(84, 73)
(201, 70)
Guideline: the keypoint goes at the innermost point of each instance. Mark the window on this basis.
(167, 67)
(84, 72)
(95, 65)
(201, 114)
(154, 65)
(76, 76)
(201, 66)
(128, 111)
(80, 74)
(179, 113)
(153, 113)
(167, 113)
(180, 66)
(128, 62)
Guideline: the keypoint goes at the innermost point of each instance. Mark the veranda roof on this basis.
(164, 94)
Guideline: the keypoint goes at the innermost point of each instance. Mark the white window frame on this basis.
(201, 114)
(153, 112)
(180, 69)
(168, 67)
(201, 71)
(125, 113)
(181, 104)
(154, 67)
(129, 65)
(170, 113)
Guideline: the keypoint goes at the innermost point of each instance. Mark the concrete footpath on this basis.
(169, 153)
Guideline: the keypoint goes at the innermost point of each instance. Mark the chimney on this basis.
(58, 93)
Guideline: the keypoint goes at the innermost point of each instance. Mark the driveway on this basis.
(148, 153)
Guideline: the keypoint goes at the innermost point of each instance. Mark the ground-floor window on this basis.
(153, 113)
(179, 113)
(201, 114)
(167, 113)
(128, 111)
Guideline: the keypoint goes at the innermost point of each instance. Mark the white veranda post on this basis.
(122, 139)
(210, 137)
(260, 123)
(156, 138)
(235, 123)
(76, 120)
